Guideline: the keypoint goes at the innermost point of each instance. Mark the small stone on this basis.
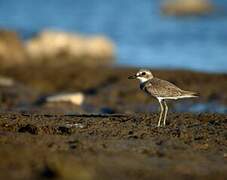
(6, 82)
(74, 125)
(74, 98)
(187, 7)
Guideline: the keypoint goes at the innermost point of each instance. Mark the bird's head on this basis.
(143, 75)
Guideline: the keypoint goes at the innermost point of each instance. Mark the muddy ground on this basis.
(104, 87)
(112, 146)
(104, 138)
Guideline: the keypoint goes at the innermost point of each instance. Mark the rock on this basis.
(187, 7)
(74, 48)
(12, 51)
(74, 98)
(6, 82)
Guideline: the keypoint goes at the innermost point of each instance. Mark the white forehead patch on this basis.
(144, 71)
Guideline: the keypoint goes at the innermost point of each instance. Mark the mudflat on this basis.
(35, 146)
(110, 136)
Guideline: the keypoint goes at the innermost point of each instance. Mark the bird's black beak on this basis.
(132, 77)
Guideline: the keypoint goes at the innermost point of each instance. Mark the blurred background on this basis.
(186, 34)
(68, 110)
(57, 47)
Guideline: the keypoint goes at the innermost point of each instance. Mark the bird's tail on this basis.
(190, 94)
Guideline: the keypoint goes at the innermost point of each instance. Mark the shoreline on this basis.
(42, 140)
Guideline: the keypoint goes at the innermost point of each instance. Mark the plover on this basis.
(160, 89)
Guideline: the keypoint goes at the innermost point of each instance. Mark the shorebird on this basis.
(162, 90)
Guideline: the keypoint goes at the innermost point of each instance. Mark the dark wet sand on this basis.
(37, 146)
(37, 141)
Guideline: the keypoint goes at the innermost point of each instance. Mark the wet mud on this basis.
(120, 146)
(109, 136)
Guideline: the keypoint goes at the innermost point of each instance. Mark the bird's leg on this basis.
(165, 113)
(161, 113)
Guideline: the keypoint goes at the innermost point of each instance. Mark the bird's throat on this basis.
(143, 80)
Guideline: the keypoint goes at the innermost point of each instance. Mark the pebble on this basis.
(74, 98)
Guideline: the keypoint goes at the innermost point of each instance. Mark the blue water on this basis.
(142, 35)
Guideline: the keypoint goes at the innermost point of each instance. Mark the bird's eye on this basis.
(143, 73)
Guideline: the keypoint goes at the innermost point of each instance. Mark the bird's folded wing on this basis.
(161, 88)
